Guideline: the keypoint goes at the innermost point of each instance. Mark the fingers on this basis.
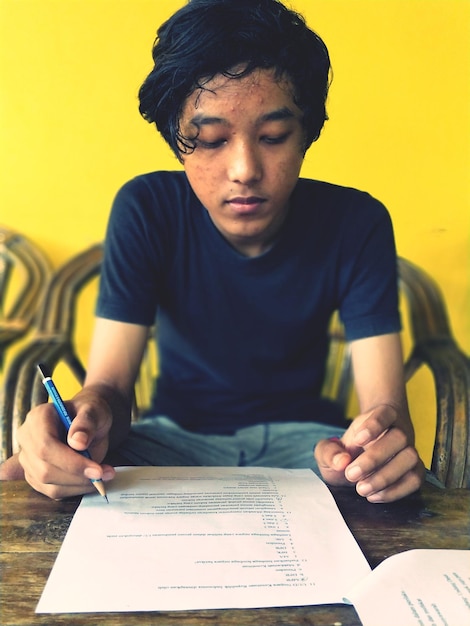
(58, 471)
(406, 485)
(90, 427)
(375, 456)
(333, 459)
(61, 472)
(382, 478)
(370, 426)
(50, 465)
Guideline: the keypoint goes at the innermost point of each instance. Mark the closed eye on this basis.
(210, 145)
(273, 140)
(267, 139)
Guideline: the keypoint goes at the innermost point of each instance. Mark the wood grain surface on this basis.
(32, 529)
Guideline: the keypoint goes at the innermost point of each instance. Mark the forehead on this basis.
(261, 88)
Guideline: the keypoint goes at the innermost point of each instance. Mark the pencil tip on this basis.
(107, 499)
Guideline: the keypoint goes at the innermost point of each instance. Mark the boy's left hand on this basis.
(376, 454)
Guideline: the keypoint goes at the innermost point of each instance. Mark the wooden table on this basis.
(33, 527)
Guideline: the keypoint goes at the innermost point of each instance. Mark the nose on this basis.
(245, 163)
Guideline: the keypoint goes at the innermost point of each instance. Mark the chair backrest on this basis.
(52, 343)
(338, 384)
(432, 345)
(24, 272)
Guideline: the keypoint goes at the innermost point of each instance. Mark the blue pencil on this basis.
(65, 417)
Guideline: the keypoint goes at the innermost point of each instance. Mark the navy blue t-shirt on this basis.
(243, 340)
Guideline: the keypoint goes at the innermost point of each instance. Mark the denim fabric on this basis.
(160, 441)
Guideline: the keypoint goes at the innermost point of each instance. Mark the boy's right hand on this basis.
(54, 467)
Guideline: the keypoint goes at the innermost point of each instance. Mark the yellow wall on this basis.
(399, 128)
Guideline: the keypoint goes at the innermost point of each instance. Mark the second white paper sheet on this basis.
(182, 538)
(418, 587)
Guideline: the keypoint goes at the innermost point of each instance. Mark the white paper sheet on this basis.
(416, 588)
(192, 538)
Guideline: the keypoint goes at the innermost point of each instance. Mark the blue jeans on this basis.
(160, 441)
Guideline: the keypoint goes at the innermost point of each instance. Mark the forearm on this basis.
(377, 451)
(113, 364)
(379, 380)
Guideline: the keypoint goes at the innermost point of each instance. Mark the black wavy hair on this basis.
(233, 38)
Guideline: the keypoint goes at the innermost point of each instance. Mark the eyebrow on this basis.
(284, 113)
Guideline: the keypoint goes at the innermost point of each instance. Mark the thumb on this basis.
(79, 439)
(332, 459)
(89, 423)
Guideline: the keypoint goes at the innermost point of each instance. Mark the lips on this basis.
(245, 204)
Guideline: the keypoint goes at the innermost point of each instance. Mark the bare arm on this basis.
(115, 357)
(377, 452)
(101, 413)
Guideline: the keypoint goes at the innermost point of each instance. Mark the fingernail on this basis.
(92, 474)
(364, 489)
(353, 473)
(376, 497)
(362, 437)
(80, 437)
(338, 460)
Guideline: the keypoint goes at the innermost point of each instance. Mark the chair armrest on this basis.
(450, 369)
(435, 346)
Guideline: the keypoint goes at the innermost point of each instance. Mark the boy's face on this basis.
(249, 150)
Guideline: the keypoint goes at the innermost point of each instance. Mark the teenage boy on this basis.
(239, 264)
